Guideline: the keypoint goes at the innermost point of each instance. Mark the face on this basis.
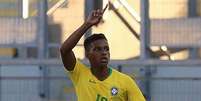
(99, 53)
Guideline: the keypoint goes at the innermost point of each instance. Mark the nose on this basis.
(104, 52)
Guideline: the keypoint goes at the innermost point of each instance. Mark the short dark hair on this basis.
(93, 38)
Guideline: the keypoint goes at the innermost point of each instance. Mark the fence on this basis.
(43, 79)
(167, 83)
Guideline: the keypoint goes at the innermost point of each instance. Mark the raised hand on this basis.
(95, 17)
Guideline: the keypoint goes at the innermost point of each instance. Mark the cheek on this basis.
(91, 56)
(95, 57)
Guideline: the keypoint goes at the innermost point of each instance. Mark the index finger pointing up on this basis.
(105, 8)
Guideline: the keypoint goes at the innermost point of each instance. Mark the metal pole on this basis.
(42, 29)
(194, 53)
(192, 12)
(98, 4)
(20, 7)
(144, 29)
(144, 39)
(89, 5)
(192, 8)
(43, 47)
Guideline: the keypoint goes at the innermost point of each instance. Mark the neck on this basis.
(101, 73)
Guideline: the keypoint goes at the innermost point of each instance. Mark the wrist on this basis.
(88, 24)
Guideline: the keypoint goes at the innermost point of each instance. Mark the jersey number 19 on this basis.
(101, 98)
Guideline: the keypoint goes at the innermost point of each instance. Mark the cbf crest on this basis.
(114, 91)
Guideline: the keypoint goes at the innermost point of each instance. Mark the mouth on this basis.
(104, 60)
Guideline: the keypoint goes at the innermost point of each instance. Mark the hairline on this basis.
(93, 42)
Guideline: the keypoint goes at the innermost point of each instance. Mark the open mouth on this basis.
(104, 60)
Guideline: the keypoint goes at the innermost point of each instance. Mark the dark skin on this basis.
(98, 54)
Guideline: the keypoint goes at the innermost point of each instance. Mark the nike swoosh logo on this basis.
(92, 81)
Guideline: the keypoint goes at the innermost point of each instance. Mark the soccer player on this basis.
(97, 82)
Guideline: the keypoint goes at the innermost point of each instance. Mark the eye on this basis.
(106, 48)
(97, 49)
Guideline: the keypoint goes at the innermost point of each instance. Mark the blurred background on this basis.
(157, 42)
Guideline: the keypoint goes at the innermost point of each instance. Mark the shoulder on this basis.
(121, 75)
(79, 63)
(124, 80)
(80, 66)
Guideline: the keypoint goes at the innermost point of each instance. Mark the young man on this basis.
(99, 82)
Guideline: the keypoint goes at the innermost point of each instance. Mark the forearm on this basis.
(73, 39)
(67, 54)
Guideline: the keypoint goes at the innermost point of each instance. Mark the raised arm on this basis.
(67, 54)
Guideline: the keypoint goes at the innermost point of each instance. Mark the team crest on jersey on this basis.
(114, 91)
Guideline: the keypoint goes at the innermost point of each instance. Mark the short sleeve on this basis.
(134, 93)
(76, 72)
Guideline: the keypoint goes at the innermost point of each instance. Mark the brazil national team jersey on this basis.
(117, 87)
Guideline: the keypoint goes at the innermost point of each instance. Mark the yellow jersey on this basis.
(116, 87)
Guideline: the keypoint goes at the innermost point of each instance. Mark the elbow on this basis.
(63, 50)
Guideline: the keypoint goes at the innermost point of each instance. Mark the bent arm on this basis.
(67, 54)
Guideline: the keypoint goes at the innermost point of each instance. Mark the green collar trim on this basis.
(110, 71)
